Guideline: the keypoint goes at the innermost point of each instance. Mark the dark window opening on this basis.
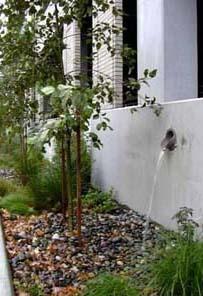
(129, 50)
(200, 46)
(86, 50)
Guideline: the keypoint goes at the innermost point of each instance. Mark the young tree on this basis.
(36, 58)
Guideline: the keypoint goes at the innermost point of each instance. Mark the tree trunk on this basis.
(69, 181)
(23, 152)
(78, 177)
(63, 179)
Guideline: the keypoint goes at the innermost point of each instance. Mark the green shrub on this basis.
(46, 186)
(18, 202)
(46, 183)
(100, 201)
(44, 177)
(179, 267)
(7, 187)
(110, 285)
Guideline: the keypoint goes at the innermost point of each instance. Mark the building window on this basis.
(130, 50)
(86, 49)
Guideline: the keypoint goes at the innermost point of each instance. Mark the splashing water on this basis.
(146, 228)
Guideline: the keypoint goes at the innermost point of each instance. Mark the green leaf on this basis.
(48, 90)
(98, 45)
(63, 87)
(153, 73)
(99, 126)
(96, 116)
(146, 72)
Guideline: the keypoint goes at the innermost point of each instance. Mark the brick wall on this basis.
(104, 63)
(110, 67)
(71, 55)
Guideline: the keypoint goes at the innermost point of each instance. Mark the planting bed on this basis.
(42, 252)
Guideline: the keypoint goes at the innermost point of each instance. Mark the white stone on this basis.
(74, 269)
(56, 236)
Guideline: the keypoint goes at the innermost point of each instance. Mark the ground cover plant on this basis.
(100, 201)
(179, 266)
(111, 285)
(19, 202)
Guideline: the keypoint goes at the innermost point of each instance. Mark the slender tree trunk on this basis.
(69, 181)
(78, 177)
(23, 152)
(63, 178)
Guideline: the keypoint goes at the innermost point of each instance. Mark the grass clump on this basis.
(179, 267)
(46, 186)
(6, 187)
(110, 285)
(19, 202)
(46, 182)
(101, 202)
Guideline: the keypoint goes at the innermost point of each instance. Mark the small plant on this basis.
(7, 187)
(110, 285)
(46, 183)
(179, 268)
(18, 202)
(46, 186)
(186, 225)
(100, 201)
(35, 290)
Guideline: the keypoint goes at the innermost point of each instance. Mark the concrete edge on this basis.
(6, 282)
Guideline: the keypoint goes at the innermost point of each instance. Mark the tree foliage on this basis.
(32, 43)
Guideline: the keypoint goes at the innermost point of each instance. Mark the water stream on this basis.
(151, 200)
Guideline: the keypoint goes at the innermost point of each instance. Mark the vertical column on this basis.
(71, 54)
(167, 41)
(180, 46)
(150, 45)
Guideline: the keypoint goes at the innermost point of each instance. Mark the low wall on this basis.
(128, 159)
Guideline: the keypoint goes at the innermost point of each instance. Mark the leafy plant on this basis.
(179, 267)
(186, 225)
(19, 202)
(100, 201)
(35, 290)
(111, 285)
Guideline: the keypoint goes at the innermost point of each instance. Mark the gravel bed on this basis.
(42, 251)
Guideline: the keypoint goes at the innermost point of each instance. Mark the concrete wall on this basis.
(128, 159)
(167, 41)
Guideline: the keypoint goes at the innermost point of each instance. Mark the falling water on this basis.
(146, 228)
